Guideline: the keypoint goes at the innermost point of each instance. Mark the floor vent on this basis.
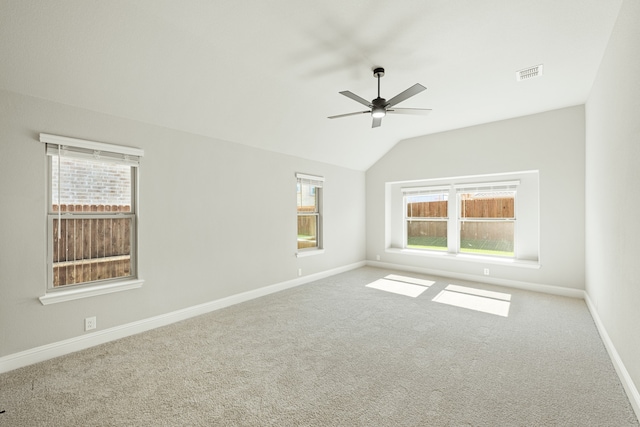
(529, 73)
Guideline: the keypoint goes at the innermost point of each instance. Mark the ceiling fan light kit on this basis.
(378, 112)
(379, 107)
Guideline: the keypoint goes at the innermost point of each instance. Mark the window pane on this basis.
(91, 185)
(487, 237)
(307, 231)
(427, 235)
(427, 206)
(494, 236)
(307, 196)
(91, 249)
(489, 204)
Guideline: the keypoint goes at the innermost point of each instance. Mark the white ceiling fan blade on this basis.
(349, 114)
(415, 111)
(413, 90)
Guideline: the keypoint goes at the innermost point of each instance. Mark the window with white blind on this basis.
(91, 213)
(309, 212)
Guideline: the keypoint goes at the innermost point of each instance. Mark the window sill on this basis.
(309, 253)
(466, 257)
(90, 291)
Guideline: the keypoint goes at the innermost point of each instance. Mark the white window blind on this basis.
(313, 180)
(418, 191)
(79, 148)
(487, 186)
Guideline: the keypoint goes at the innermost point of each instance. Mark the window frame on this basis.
(455, 220)
(76, 148)
(318, 194)
(487, 188)
(424, 191)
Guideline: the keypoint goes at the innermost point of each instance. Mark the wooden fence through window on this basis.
(498, 207)
(490, 208)
(306, 223)
(91, 249)
(307, 229)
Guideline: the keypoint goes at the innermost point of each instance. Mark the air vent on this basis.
(529, 73)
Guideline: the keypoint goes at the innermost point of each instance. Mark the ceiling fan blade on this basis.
(356, 98)
(413, 90)
(417, 111)
(377, 121)
(349, 114)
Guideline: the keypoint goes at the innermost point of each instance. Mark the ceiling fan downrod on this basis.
(378, 109)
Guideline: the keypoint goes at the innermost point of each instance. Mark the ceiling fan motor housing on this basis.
(379, 102)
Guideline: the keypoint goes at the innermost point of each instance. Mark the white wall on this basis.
(613, 190)
(216, 219)
(551, 143)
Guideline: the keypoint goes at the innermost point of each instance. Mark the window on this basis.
(472, 218)
(426, 218)
(91, 214)
(309, 211)
(486, 220)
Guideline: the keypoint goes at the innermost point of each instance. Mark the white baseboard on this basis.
(536, 287)
(623, 374)
(60, 348)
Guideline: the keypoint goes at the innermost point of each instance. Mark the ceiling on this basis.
(267, 73)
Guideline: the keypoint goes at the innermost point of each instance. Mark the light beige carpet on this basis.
(338, 353)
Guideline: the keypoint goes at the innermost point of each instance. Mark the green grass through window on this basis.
(427, 242)
(480, 247)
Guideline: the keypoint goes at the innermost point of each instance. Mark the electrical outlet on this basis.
(377, 257)
(90, 323)
(486, 271)
(299, 272)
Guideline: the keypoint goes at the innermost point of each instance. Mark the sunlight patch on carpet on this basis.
(408, 279)
(393, 284)
(497, 303)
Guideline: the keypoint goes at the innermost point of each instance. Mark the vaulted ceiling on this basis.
(267, 73)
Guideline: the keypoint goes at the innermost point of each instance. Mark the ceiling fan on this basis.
(379, 107)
